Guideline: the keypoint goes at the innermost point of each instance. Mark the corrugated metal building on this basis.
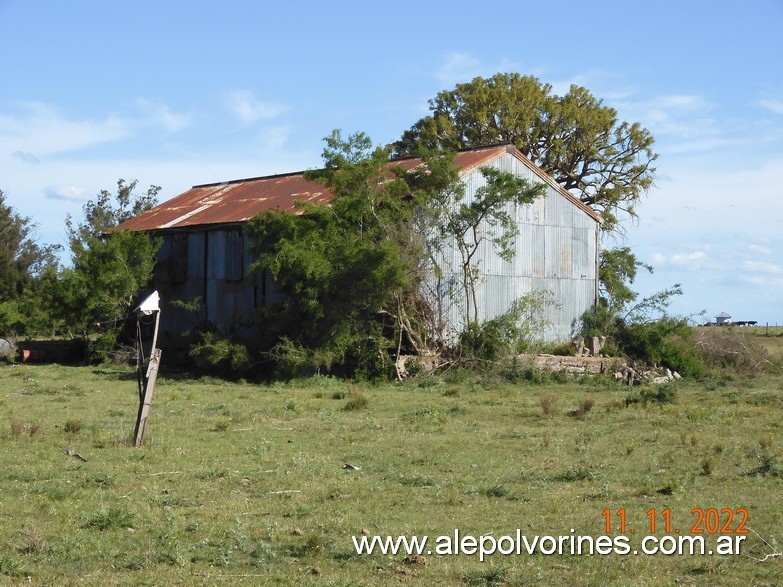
(205, 254)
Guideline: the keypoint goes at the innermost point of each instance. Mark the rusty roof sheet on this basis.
(230, 203)
(237, 201)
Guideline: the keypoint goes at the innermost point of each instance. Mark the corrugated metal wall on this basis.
(556, 251)
(217, 273)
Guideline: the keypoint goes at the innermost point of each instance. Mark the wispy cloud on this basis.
(775, 106)
(26, 157)
(678, 114)
(458, 68)
(764, 282)
(692, 123)
(273, 139)
(247, 108)
(158, 114)
(605, 85)
(41, 129)
(763, 267)
(70, 193)
(693, 260)
(760, 249)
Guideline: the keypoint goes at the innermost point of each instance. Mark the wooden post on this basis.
(147, 383)
(146, 401)
(147, 389)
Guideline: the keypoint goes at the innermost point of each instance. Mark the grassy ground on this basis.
(245, 484)
(769, 338)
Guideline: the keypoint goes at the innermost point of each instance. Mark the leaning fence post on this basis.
(149, 306)
(146, 401)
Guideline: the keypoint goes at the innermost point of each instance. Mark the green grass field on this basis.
(245, 484)
(769, 338)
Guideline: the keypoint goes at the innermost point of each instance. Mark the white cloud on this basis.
(700, 145)
(692, 123)
(247, 108)
(273, 139)
(604, 85)
(664, 109)
(41, 129)
(458, 68)
(26, 157)
(763, 267)
(694, 260)
(158, 114)
(765, 282)
(682, 115)
(67, 192)
(775, 106)
(38, 129)
(760, 249)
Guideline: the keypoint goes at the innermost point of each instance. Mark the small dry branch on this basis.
(768, 556)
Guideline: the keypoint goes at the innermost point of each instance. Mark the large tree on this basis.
(21, 257)
(607, 163)
(109, 268)
(23, 262)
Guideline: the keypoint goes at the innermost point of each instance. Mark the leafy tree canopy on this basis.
(22, 259)
(618, 269)
(104, 282)
(109, 268)
(340, 266)
(465, 226)
(108, 210)
(580, 142)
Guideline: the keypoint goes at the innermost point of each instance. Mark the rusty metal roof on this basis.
(239, 200)
(229, 203)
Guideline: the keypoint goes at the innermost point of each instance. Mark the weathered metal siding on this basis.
(217, 274)
(555, 252)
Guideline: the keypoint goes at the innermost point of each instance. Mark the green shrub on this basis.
(102, 348)
(110, 519)
(218, 354)
(221, 423)
(11, 568)
(490, 577)
(656, 394)
(585, 405)
(518, 371)
(364, 357)
(514, 331)
(560, 349)
(548, 403)
(72, 426)
(668, 342)
(574, 473)
(358, 402)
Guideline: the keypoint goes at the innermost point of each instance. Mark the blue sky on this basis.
(180, 93)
